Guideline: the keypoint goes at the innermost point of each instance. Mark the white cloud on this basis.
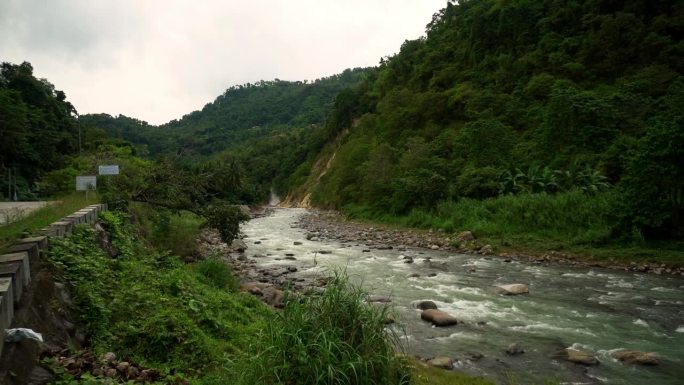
(158, 60)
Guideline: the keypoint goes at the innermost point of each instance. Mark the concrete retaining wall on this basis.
(17, 260)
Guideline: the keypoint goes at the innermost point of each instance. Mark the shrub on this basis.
(331, 338)
(218, 274)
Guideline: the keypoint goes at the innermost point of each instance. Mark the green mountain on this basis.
(269, 128)
(522, 97)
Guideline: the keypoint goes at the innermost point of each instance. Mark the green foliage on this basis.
(168, 230)
(218, 274)
(653, 186)
(268, 129)
(36, 126)
(165, 315)
(568, 218)
(563, 96)
(225, 218)
(331, 338)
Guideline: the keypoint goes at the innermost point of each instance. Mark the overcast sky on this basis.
(157, 60)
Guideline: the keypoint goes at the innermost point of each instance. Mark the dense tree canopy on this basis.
(36, 126)
(511, 96)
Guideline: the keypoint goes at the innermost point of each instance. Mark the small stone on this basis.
(292, 269)
(465, 236)
(297, 243)
(424, 305)
(514, 289)
(123, 366)
(111, 373)
(132, 372)
(578, 357)
(108, 357)
(514, 349)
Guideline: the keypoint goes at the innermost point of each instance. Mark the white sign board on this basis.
(85, 183)
(109, 169)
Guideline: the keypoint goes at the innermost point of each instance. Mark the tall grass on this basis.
(218, 274)
(571, 217)
(165, 230)
(331, 338)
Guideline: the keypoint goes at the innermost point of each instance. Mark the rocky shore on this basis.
(331, 225)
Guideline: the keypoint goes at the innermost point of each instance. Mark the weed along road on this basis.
(576, 325)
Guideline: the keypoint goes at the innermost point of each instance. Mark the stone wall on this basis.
(19, 261)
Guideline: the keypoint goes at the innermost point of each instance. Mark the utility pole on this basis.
(9, 184)
(78, 119)
(15, 184)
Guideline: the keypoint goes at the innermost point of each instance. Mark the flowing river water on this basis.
(591, 309)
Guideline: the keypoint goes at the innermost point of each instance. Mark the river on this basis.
(595, 310)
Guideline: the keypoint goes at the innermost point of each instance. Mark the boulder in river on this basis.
(425, 305)
(577, 356)
(636, 357)
(438, 317)
(442, 362)
(513, 289)
(515, 349)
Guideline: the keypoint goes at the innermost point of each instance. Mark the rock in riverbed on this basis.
(425, 305)
(577, 356)
(636, 357)
(438, 317)
(515, 349)
(513, 289)
(442, 362)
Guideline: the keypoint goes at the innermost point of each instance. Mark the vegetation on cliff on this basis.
(536, 98)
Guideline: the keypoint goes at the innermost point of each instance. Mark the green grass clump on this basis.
(426, 375)
(44, 216)
(218, 273)
(173, 231)
(331, 338)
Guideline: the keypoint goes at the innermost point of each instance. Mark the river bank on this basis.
(331, 225)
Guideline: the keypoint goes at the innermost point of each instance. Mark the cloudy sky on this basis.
(157, 60)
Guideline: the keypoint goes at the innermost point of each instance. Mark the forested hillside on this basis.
(541, 99)
(267, 129)
(37, 130)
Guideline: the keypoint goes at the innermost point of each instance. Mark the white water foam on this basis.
(641, 322)
(458, 336)
(544, 327)
(680, 329)
(663, 289)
